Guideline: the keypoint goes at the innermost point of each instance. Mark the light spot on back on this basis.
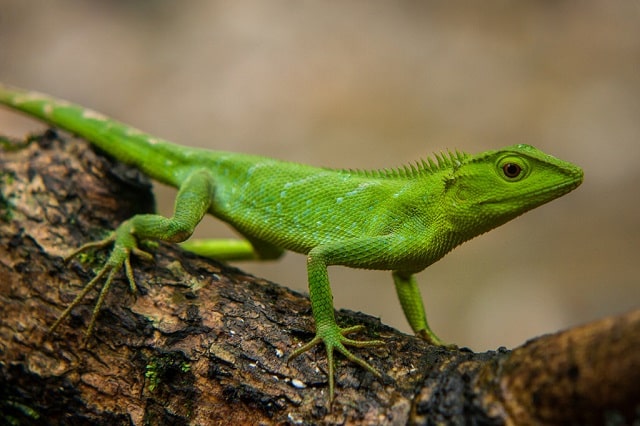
(359, 189)
(47, 110)
(31, 97)
(90, 114)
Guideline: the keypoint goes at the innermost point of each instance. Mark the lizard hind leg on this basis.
(233, 249)
(193, 201)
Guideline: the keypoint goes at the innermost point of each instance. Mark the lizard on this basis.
(401, 220)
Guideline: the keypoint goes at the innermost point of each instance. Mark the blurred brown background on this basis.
(367, 84)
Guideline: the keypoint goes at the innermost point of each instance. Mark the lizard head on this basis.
(489, 189)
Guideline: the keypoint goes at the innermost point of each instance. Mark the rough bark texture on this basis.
(204, 343)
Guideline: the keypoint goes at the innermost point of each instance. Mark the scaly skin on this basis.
(400, 220)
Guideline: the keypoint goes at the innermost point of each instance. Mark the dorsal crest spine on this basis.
(439, 161)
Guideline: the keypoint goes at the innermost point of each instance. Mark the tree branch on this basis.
(204, 343)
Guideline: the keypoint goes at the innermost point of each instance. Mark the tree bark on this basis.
(204, 343)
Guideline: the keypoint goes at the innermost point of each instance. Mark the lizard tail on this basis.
(159, 159)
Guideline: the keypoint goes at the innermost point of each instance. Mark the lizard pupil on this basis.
(511, 170)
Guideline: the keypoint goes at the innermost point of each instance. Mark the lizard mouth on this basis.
(559, 190)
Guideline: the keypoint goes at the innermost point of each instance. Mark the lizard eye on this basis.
(511, 170)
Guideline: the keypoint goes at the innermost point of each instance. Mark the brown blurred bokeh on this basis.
(369, 84)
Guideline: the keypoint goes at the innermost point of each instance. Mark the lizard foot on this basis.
(430, 336)
(124, 244)
(334, 338)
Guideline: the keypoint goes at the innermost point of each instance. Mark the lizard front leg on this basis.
(413, 308)
(327, 330)
(192, 202)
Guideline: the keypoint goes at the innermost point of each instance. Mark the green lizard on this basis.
(401, 220)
